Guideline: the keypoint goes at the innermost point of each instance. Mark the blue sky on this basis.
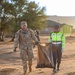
(58, 7)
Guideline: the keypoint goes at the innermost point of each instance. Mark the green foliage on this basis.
(15, 11)
(4, 14)
(35, 16)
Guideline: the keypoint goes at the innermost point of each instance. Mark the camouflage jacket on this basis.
(24, 38)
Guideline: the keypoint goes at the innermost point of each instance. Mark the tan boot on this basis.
(25, 73)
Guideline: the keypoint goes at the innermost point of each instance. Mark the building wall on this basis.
(66, 29)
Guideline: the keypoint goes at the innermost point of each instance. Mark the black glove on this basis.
(36, 43)
(15, 49)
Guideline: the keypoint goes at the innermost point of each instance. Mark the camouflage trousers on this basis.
(26, 55)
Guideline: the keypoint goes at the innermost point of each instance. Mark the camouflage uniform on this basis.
(24, 38)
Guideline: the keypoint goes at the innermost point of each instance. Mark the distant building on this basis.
(69, 20)
(65, 28)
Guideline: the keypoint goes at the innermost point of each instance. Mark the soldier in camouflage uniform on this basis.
(24, 37)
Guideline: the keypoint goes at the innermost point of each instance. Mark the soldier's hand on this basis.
(14, 49)
(36, 43)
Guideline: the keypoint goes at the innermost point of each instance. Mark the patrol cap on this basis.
(56, 26)
(24, 23)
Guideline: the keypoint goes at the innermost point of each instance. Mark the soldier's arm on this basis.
(16, 40)
(33, 36)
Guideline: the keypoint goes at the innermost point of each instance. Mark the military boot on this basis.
(30, 68)
(24, 72)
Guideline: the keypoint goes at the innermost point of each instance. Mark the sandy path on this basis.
(10, 62)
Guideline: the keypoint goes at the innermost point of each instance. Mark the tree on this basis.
(8, 15)
(5, 9)
(17, 13)
(13, 12)
(34, 15)
(30, 12)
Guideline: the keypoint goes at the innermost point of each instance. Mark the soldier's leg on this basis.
(59, 56)
(30, 65)
(30, 56)
(54, 51)
(23, 55)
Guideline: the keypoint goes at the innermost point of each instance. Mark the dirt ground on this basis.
(11, 64)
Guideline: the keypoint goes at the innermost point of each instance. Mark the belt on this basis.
(56, 42)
